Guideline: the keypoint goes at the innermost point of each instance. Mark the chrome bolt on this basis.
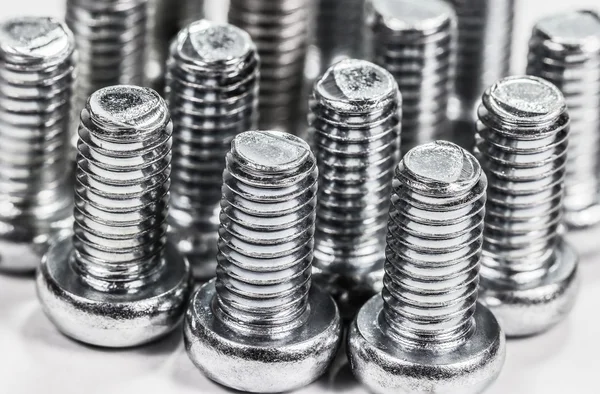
(117, 282)
(414, 41)
(565, 50)
(213, 96)
(36, 83)
(261, 326)
(426, 333)
(280, 30)
(528, 271)
(355, 133)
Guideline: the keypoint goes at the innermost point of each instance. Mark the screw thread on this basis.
(266, 232)
(280, 30)
(414, 41)
(434, 246)
(122, 188)
(521, 143)
(36, 83)
(572, 63)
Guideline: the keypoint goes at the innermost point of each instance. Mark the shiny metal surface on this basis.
(355, 133)
(528, 272)
(36, 83)
(414, 41)
(565, 50)
(426, 333)
(213, 96)
(117, 282)
(261, 326)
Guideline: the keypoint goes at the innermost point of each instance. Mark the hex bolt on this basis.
(36, 83)
(280, 30)
(426, 333)
(414, 41)
(529, 275)
(116, 281)
(355, 134)
(260, 326)
(213, 96)
(565, 50)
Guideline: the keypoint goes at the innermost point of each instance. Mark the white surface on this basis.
(34, 357)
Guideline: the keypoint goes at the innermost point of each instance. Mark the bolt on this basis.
(280, 31)
(260, 326)
(414, 41)
(355, 134)
(426, 333)
(213, 96)
(116, 282)
(36, 80)
(565, 50)
(528, 271)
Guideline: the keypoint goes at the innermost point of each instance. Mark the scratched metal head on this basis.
(406, 15)
(579, 28)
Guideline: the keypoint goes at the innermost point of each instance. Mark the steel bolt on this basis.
(426, 333)
(565, 50)
(261, 326)
(36, 79)
(355, 134)
(529, 275)
(414, 41)
(116, 281)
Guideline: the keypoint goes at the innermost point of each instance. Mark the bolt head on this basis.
(265, 364)
(382, 364)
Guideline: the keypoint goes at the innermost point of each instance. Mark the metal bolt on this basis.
(355, 134)
(414, 41)
(36, 79)
(213, 96)
(426, 333)
(565, 50)
(528, 271)
(261, 326)
(116, 281)
(280, 30)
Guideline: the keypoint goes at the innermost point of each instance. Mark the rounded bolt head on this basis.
(262, 364)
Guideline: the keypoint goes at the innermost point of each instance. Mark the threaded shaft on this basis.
(266, 233)
(213, 96)
(122, 188)
(434, 246)
(565, 50)
(521, 144)
(280, 30)
(414, 41)
(355, 134)
(36, 82)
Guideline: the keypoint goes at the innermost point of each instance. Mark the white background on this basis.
(34, 357)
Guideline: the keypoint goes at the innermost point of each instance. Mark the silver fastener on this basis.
(261, 326)
(213, 96)
(36, 83)
(280, 31)
(116, 281)
(414, 41)
(426, 333)
(355, 133)
(565, 50)
(529, 275)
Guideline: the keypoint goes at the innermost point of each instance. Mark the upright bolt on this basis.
(261, 326)
(426, 333)
(36, 80)
(280, 30)
(565, 50)
(414, 41)
(116, 281)
(355, 134)
(213, 96)
(528, 271)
